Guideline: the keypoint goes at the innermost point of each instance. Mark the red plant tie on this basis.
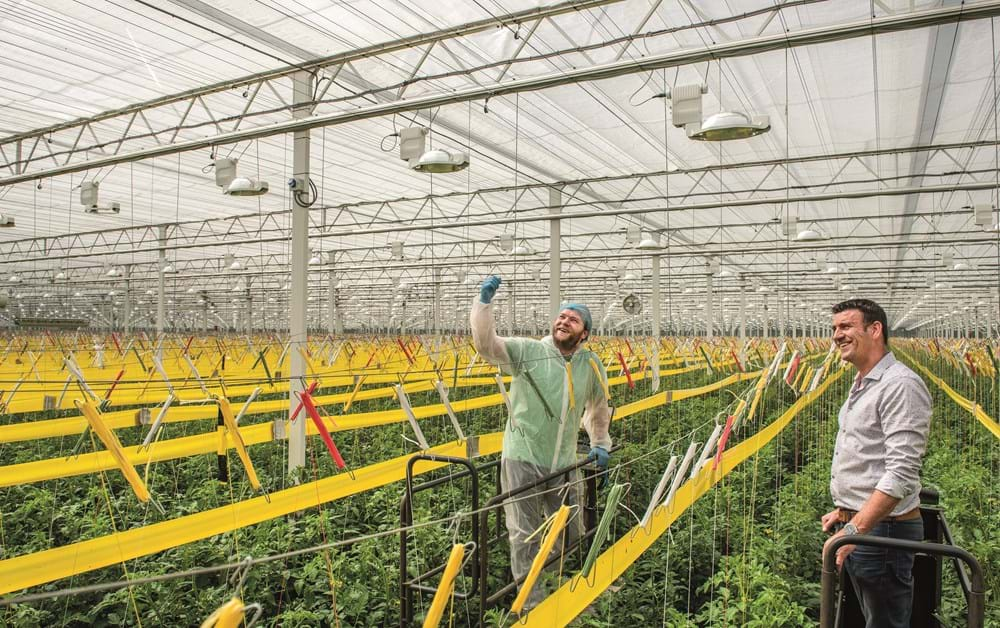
(628, 374)
(298, 408)
(306, 400)
(722, 442)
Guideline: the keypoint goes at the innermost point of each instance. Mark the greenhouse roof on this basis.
(882, 142)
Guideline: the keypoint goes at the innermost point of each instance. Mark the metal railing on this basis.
(975, 594)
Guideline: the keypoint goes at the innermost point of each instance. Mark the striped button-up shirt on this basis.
(882, 438)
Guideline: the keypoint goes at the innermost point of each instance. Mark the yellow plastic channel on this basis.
(445, 587)
(555, 529)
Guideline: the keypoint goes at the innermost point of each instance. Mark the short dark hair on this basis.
(870, 312)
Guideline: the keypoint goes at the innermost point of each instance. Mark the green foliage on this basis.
(745, 554)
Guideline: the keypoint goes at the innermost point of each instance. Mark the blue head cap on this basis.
(582, 310)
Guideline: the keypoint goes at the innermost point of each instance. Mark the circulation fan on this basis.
(631, 304)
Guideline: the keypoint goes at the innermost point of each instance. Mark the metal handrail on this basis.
(408, 585)
(976, 597)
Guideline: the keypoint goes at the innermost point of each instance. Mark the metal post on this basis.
(780, 307)
(510, 312)
(248, 323)
(127, 301)
(709, 310)
(555, 251)
(161, 288)
(765, 317)
(743, 312)
(302, 93)
(331, 304)
(436, 281)
(656, 297)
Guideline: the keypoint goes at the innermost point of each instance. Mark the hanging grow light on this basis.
(728, 125)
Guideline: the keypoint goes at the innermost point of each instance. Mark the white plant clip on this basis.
(404, 402)
(661, 486)
(442, 389)
(679, 477)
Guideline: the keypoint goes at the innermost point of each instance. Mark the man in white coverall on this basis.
(556, 386)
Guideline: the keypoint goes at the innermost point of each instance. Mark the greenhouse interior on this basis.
(499, 313)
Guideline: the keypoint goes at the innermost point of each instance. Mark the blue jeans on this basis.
(883, 577)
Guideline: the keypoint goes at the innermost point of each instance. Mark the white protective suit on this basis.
(541, 433)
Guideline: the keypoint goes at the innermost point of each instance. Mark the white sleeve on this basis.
(597, 420)
(484, 335)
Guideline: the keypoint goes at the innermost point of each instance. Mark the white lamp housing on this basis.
(788, 224)
(439, 160)
(652, 243)
(506, 243)
(397, 249)
(6, 221)
(225, 171)
(685, 104)
(728, 125)
(243, 186)
(89, 192)
(809, 235)
(982, 212)
(411, 144)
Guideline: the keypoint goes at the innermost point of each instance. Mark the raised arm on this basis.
(484, 335)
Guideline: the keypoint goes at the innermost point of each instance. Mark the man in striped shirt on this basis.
(875, 475)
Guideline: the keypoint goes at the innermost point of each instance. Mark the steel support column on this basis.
(127, 301)
(331, 303)
(709, 309)
(555, 252)
(655, 298)
(296, 431)
(161, 289)
(743, 312)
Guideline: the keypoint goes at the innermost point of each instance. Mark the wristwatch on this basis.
(849, 529)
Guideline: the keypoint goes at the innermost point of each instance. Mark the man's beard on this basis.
(569, 343)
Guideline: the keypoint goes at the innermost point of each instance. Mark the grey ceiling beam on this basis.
(745, 47)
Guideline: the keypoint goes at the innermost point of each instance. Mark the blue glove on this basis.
(488, 288)
(601, 457)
